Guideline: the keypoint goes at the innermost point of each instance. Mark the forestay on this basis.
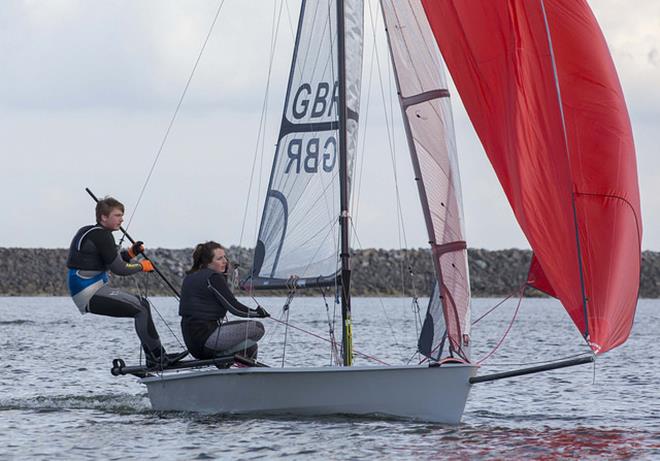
(425, 104)
(298, 236)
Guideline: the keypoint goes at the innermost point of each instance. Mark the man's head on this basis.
(110, 213)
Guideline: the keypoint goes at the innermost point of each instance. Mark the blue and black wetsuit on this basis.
(92, 254)
(205, 300)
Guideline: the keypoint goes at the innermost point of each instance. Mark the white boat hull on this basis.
(436, 394)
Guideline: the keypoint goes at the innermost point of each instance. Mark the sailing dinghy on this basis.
(540, 88)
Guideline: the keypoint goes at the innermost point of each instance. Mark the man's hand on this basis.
(261, 312)
(147, 266)
(136, 249)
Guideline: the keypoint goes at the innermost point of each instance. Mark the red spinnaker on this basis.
(568, 170)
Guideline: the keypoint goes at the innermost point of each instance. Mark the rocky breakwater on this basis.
(376, 272)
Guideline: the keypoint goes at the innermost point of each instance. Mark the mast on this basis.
(345, 277)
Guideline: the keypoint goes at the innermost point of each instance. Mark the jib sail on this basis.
(424, 100)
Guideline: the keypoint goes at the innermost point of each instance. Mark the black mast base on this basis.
(538, 369)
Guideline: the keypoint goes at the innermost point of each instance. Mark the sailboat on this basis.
(540, 88)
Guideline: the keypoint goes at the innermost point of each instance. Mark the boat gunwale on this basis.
(170, 375)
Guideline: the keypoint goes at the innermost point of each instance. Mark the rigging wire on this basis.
(334, 352)
(143, 291)
(261, 140)
(363, 125)
(286, 310)
(174, 115)
(508, 329)
(488, 312)
(493, 308)
(356, 352)
(384, 310)
(288, 15)
(262, 121)
(389, 123)
(415, 303)
(286, 323)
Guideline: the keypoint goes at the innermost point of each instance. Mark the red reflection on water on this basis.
(483, 442)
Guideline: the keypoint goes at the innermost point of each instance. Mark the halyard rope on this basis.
(176, 111)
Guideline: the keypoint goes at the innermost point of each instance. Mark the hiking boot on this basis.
(164, 360)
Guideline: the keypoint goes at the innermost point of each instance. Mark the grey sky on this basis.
(87, 89)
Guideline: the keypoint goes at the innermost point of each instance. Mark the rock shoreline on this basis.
(376, 272)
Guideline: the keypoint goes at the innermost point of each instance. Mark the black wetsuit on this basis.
(205, 301)
(92, 254)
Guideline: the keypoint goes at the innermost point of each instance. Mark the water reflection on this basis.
(554, 443)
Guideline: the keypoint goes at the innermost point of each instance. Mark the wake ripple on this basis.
(112, 403)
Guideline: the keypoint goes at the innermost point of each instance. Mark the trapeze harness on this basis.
(92, 254)
(205, 301)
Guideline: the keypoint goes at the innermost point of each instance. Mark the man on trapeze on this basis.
(92, 254)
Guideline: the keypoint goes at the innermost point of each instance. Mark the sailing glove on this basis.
(147, 266)
(261, 312)
(136, 249)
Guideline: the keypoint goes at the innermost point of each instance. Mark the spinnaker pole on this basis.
(345, 277)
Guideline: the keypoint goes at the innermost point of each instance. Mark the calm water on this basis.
(59, 401)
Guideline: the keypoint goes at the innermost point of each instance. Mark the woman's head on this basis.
(210, 254)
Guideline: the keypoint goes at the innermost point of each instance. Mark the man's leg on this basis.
(115, 303)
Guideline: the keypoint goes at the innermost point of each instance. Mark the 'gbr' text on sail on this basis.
(315, 150)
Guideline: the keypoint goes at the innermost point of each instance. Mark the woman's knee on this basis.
(259, 330)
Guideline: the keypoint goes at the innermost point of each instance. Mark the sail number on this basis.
(312, 155)
(313, 152)
(321, 104)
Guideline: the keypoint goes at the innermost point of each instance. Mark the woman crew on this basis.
(205, 301)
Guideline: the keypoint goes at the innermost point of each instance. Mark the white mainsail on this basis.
(427, 115)
(298, 236)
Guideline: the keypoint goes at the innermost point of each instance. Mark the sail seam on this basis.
(618, 197)
(307, 128)
(423, 97)
(449, 247)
